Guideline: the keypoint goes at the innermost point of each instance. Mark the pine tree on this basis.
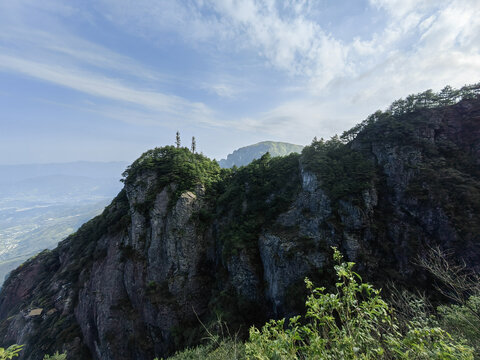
(177, 141)
(194, 145)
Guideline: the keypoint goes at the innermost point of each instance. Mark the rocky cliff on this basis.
(186, 241)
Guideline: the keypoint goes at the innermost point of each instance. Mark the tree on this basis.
(194, 145)
(177, 140)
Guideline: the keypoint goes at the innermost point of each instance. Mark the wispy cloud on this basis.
(169, 106)
(66, 48)
(258, 66)
(289, 40)
(282, 35)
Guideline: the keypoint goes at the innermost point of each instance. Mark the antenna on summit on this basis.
(177, 140)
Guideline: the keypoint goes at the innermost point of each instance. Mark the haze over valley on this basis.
(40, 204)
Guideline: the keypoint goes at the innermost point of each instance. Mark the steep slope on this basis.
(187, 240)
(247, 154)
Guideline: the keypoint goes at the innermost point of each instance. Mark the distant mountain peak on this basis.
(245, 155)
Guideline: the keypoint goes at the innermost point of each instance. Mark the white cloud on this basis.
(167, 107)
(336, 81)
(289, 41)
(66, 48)
(398, 9)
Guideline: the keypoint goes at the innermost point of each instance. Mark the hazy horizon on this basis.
(124, 161)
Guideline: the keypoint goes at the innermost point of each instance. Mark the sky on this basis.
(107, 80)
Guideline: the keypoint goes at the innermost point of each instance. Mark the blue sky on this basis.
(108, 79)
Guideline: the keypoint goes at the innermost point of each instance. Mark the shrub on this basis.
(462, 321)
(221, 345)
(56, 356)
(462, 287)
(10, 352)
(224, 350)
(353, 323)
(342, 172)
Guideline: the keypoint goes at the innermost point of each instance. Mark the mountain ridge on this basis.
(184, 234)
(246, 154)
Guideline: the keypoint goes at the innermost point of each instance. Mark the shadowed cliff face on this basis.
(132, 283)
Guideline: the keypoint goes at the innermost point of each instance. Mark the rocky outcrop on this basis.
(134, 282)
(149, 280)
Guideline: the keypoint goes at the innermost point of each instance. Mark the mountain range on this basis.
(186, 241)
(245, 155)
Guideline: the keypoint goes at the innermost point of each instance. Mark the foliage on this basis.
(342, 171)
(13, 351)
(173, 165)
(462, 287)
(442, 173)
(429, 99)
(424, 100)
(55, 330)
(221, 344)
(353, 323)
(462, 321)
(10, 352)
(82, 243)
(225, 350)
(254, 195)
(56, 356)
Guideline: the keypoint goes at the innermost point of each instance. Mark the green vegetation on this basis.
(352, 323)
(173, 165)
(442, 174)
(254, 195)
(220, 345)
(462, 321)
(56, 356)
(224, 350)
(42, 228)
(10, 352)
(14, 350)
(83, 243)
(57, 329)
(424, 100)
(342, 171)
(461, 315)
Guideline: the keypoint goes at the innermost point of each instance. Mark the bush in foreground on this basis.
(10, 352)
(353, 323)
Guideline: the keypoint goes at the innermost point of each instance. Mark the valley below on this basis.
(41, 204)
